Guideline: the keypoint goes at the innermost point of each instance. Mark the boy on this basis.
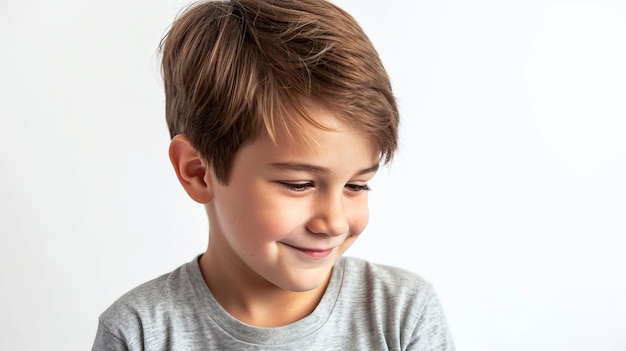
(280, 112)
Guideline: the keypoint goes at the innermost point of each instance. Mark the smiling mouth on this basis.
(313, 253)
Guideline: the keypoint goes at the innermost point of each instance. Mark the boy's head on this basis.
(236, 69)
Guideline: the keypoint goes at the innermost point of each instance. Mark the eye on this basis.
(297, 187)
(357, 187)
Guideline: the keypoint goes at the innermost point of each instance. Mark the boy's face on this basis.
(291, 209)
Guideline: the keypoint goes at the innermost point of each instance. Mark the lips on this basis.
(315, 253)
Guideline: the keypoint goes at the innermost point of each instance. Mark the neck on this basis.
(251, 299)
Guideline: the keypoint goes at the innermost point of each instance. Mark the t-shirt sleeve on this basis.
(431, 331)
(107, 341)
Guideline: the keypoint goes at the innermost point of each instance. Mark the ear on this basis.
(192, 171)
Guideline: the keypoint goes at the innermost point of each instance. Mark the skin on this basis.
(290, 209)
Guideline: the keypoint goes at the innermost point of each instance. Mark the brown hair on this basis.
(233, 69)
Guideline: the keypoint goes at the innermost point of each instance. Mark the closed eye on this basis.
(358, 187)
(297, 187)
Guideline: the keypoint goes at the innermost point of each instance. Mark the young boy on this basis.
(280, 112)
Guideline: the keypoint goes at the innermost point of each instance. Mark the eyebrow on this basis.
(292, 166)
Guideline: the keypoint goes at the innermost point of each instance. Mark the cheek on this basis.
(276, 217)
(359, 218)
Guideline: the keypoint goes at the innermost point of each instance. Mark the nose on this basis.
(329, 216)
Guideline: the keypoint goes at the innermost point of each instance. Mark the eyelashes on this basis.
(304, 186)
(358, 187)
(297, 187)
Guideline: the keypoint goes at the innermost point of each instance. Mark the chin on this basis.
(307, 281)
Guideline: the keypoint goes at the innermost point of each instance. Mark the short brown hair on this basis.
(233, 69)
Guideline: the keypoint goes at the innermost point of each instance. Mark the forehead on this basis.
(337, 148)
(306, 126)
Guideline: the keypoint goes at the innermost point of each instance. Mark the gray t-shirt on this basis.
(366, 306)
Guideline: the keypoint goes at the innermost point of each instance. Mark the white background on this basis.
(508, 193)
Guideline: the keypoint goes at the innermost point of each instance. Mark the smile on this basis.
(312, 253)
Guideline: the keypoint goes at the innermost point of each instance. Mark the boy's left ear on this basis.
(192, 171)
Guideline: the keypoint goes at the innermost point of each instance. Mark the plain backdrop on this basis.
(508, 192)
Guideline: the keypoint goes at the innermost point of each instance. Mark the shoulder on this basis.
(135, 300)
(151, 293)
(393, 291)
(402, 302)
(385, 279)
(151, 304)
